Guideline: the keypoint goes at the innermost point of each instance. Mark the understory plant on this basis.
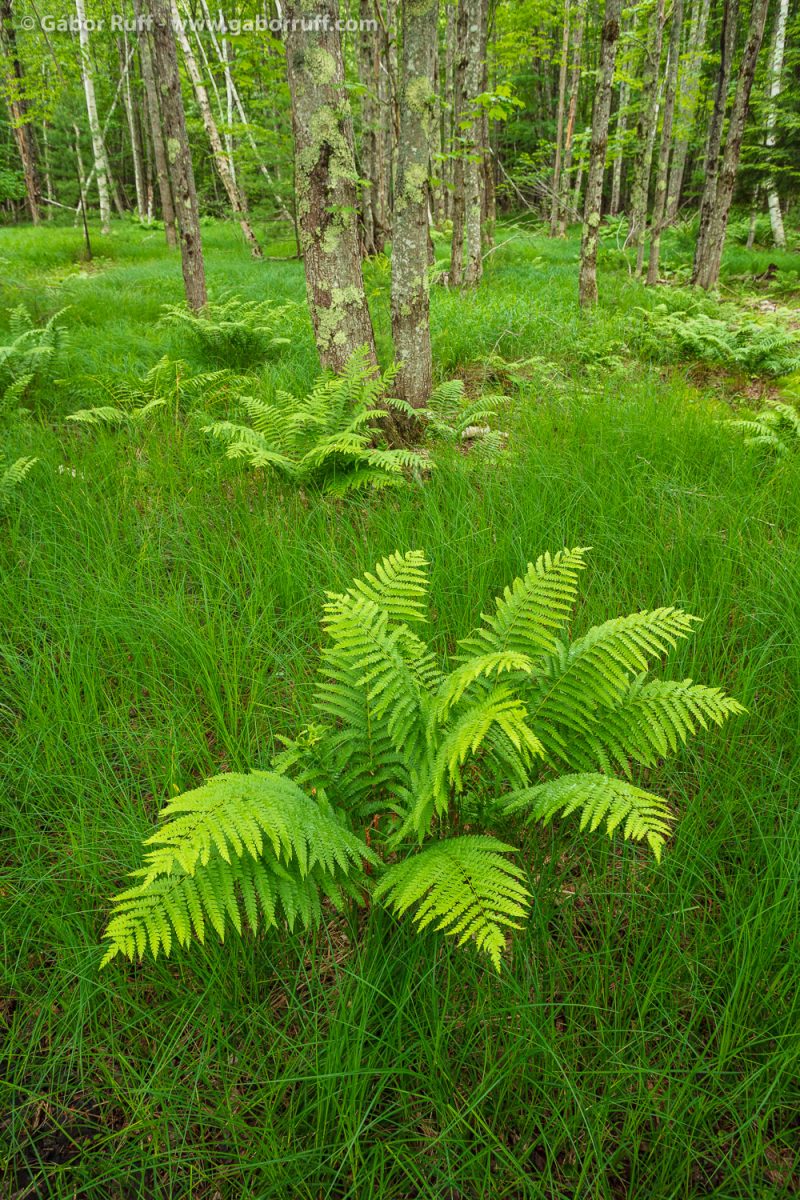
(417, 762)
(233, 332)
(775, 429)
(736, 344)
(28, 357)
(10, 479)
(170, 384)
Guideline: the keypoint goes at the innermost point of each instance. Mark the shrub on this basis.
(522, 723)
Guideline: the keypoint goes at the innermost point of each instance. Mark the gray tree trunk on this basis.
(221, 158)
(325, 185)
(12, 83)
(410, 301)
(686, 104)
(573, 91)
(98, 149)
(709, 256)
(730, 14)
(622, 125)
(587, 284)
(179, 155)
(662, 174)
(645, 131)
(562, 98)
(133, 128)
(153, 106)
(468, 71)
(775, 72)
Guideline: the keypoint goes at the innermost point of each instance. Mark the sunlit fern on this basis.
(775, 429)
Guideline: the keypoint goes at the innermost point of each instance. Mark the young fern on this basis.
(10, 479)
(421, 747)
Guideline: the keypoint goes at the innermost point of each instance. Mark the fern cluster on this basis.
(325, 438)
(10, 479)
(737, 344)
(775, 429)
(28, 357)
(524, 723)
(453, 419)
(233, 332)
(170, 385)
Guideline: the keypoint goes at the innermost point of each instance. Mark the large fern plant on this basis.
(170, 385)
(28, 357)
(325, 438)
(524, 723)
(233, 332)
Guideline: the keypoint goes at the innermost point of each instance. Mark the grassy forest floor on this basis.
(159, 610)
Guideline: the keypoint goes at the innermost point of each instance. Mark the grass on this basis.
(160, 622)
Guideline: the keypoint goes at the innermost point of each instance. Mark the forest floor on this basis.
(159, 610)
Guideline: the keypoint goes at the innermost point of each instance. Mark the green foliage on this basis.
(426, 746)
(325, 438)
(453, 419)
(10, 479)
(775, 429)
(234, 332)
(737, 344)
(28, 358)
(169, 385)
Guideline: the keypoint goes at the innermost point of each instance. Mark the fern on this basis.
(775, 429)
(735, 344)
(325, 438)
(452, 419)
(234, 332)
(11, 478)
(169, 384)
(424, 746)
(28, 359)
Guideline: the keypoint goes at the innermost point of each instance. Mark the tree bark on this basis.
(569, 134)
(775, 72)
(686, 104)
(587, 286)
(98, 149)
(179, 156)
(622, 125)
(410, 300)
(221, 158)
(662, 174)
(645, 131)
(153, 106)
(13, 85)
(133, 128)
(562, 97)
(325, 185)
(730, 12)
(468, 73)
(709, 255)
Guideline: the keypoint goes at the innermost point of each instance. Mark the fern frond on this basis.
(642, 815)
(465, 887)
(201, 857)
(399, 587)
(12, 477)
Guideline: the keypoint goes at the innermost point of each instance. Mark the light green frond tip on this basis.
(464, 887)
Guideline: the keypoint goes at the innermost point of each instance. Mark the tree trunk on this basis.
(410, 301)
(730, 12)
(775, 72)
(569, 134)
(709, 257)
(562, 97)
(645, 131)
(622, 125)
(468, 72)
(325, 185)
(686, 104)
(157, 134)
(660, 198)
(13, 85)
(587, 287)
(165, 61)
(133, 128)
(98, 149)
(221, 159)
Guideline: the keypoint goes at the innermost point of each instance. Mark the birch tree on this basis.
(686, 103)
(153, 107)
(98, 149)
(775, 73)
(662, 173)
(645, 132)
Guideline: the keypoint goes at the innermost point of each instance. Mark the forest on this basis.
(399, 599)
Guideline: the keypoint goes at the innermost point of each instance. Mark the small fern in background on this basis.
(522, 723)
(737, 344)
(776, 429)
(10, 479)
(234, 332)
(169, 385)
(28, 358)
(326, 438)
(453, 419)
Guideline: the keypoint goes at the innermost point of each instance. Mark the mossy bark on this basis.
(467, 201)
(597, 157)
(156, 132)
(573, 91)
(410, 300)
(179, 158)
(686, 103)
(326, 183)
(645, 132)
(662, 173)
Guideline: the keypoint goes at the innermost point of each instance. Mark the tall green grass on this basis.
(160, 623)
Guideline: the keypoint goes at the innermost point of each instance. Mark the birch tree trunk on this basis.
(709, 256)
(775, 72)
(133, 127)
(153, 107)
(98, 149)
(662, 174)
(325, 185)
(562, 97)
(13, 87)
(569, 134)
(645, 131)
(622, 125)
(221, 158)
(730, 13)
(468, 73)
(686, 104)
(179, 156)
(410, 301)
(587, 286)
